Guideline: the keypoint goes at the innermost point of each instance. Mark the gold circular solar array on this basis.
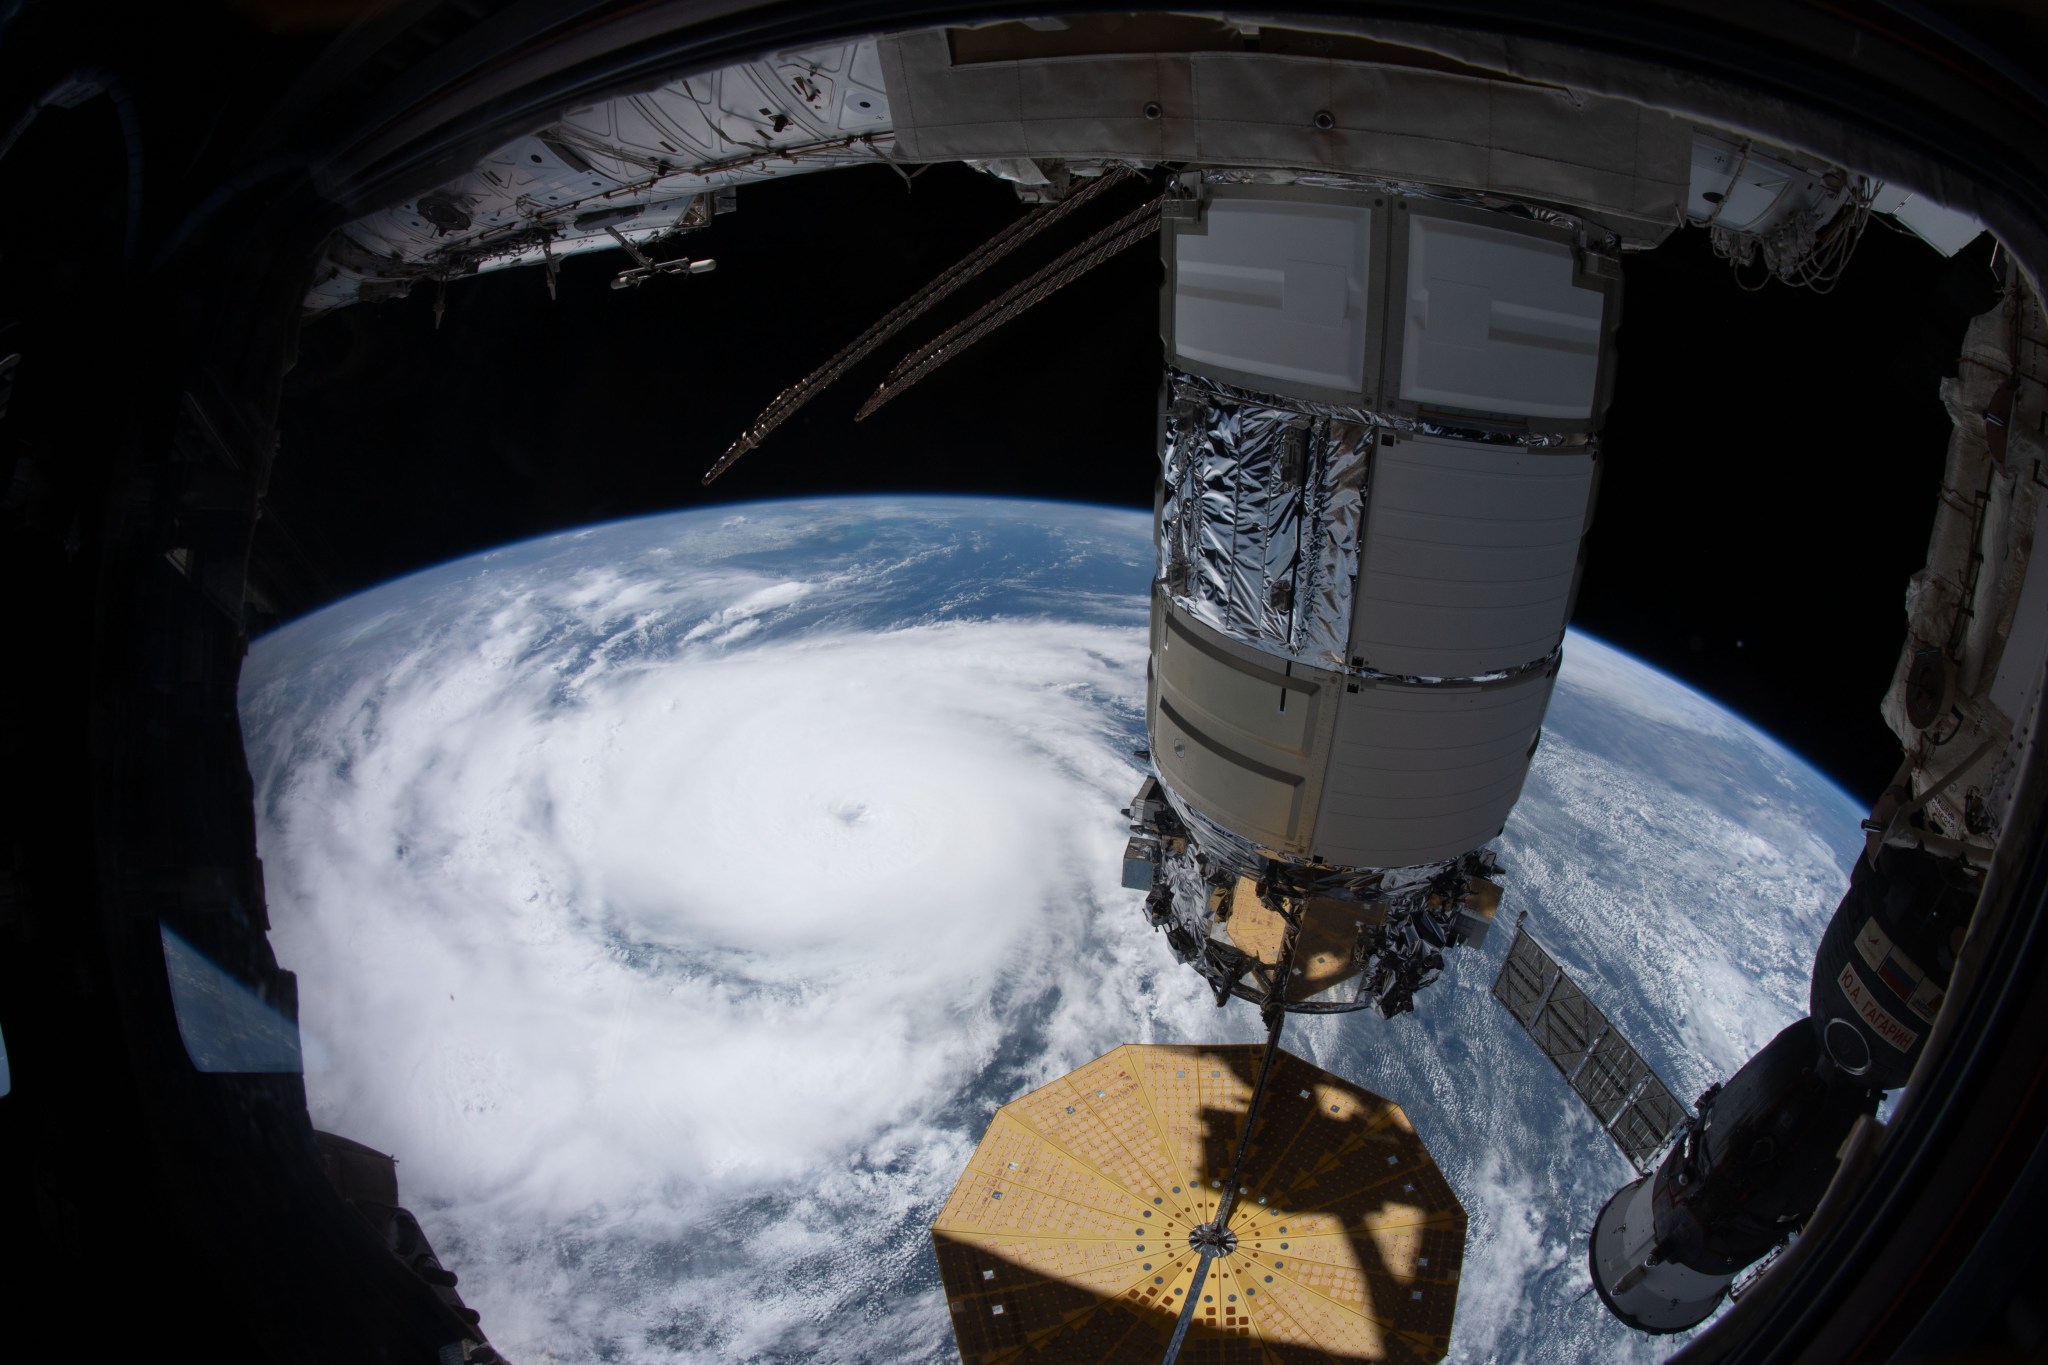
(1067, 1237)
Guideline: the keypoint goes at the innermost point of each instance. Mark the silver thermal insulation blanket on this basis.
(1261, 503)
(1218, 852)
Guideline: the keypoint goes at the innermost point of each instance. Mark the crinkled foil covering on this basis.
(1258, 526)
(1211, 856)
(1262, 507)
(1226, 853)
(1262, 503)
(1551, 661)
(1496, 438)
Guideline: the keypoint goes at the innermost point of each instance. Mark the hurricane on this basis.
(677, 899)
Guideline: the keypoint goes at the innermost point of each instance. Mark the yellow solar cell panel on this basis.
(1066, 1239)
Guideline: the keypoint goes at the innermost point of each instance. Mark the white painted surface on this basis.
(1492, 322)
(1468, 556)
(1422, 773)
(1276, 288)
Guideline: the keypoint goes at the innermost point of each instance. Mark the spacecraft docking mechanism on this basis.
(1754, 1157)
(1752, 1165)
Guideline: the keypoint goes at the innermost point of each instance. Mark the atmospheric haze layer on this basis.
(677, 899)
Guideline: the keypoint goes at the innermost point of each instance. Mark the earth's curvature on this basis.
(677, 898)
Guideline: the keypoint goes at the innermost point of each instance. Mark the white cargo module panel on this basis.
(1276, 290)
(1495, 322)
(1471, 554)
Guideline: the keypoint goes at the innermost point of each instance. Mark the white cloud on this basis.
(621, 943)
(747, 612)
(678, 930)
(1507, 1233)
(1606, 675)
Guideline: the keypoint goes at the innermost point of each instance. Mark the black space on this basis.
(1770, 469)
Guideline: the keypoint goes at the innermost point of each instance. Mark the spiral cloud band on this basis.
(677, 899)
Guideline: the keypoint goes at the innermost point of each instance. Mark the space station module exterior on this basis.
(1377, 466)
